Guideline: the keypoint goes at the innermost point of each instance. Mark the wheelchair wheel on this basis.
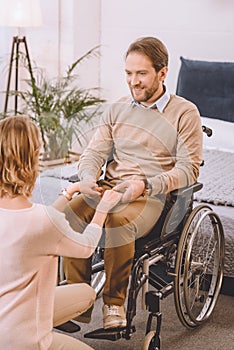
(199, 266)
(98, 276)
(149, 342)
(98, 273)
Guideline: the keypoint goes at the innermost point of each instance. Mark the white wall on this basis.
(42, 44)
(87, 35)
(70, 28)
(196, 29)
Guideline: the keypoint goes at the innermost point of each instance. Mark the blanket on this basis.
(217, 176)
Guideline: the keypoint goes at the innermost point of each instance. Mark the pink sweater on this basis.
(31, 239)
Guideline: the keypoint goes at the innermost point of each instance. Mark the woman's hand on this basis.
(109, 200)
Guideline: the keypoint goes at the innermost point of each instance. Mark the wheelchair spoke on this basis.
(199, 267)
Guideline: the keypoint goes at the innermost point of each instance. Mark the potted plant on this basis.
(59, 107)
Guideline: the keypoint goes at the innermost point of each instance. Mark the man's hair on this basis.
(153, 48)
(20, 143)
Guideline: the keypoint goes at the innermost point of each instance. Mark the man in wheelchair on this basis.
(155, 142)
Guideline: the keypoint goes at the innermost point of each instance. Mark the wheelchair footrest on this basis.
(108, 334)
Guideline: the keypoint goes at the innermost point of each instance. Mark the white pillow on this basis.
(222, 137)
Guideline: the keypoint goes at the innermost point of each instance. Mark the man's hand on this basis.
(131, 189)
(91, 189)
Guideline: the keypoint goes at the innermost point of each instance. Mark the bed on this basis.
(210, 85)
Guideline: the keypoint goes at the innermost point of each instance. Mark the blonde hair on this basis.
(20, 143)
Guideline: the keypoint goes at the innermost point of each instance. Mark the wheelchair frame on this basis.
(184, 255)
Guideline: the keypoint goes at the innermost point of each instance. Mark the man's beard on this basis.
(148, 94)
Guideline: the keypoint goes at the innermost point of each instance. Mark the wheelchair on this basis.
(184, 255)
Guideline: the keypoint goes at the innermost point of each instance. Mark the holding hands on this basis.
(129, 190)
(108, 199)
(125, 192)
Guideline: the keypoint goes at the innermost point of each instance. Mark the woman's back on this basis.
(27, 285)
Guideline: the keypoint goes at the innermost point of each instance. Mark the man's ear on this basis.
(163, 73)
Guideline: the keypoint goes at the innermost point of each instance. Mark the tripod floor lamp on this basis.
(19, 14)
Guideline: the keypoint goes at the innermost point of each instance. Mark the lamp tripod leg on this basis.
(15, 52)
(28, 59)
(9, 73)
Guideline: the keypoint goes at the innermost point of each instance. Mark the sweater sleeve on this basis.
(64, 241)
(97, 152)
(188, 156)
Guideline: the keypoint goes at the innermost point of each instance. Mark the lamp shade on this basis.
(20, 13)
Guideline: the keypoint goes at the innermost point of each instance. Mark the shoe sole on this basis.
(114, 324)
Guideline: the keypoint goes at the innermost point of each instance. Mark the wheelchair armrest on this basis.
(207, 130)
(197, 186)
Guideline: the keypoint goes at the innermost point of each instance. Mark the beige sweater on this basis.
(163, 147)
(31, 239)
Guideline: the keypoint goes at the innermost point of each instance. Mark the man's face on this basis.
(146, 85)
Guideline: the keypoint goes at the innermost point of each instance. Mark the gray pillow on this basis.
(210, 85)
